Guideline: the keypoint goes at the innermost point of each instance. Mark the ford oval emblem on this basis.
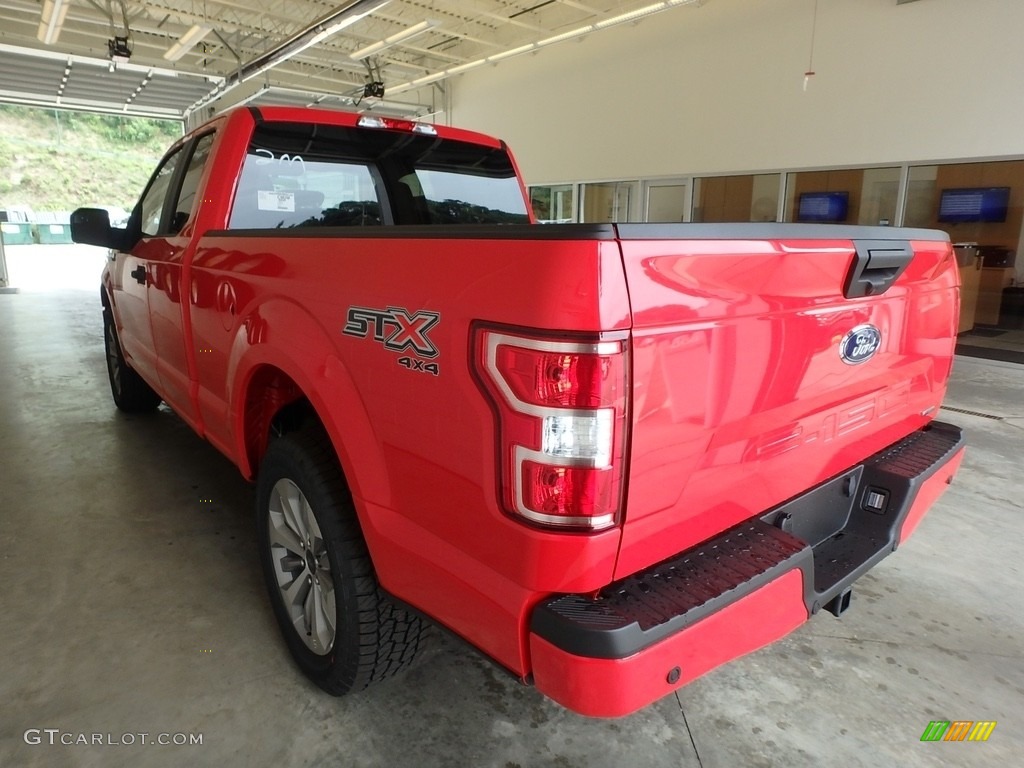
(860, 344)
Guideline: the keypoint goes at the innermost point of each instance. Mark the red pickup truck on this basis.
(611, 457)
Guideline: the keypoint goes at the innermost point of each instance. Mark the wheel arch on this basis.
(278, 386)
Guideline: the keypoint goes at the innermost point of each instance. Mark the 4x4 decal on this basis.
(396, 328)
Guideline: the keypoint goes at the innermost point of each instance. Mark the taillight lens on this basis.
(561, 410)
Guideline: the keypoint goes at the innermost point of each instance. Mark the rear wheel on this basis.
(341, 629)
(130, 391)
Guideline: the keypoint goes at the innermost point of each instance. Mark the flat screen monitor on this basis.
(975, 204)
(823, 206)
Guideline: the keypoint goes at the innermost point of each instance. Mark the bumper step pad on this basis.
(891, 478)
(636, 612)
(642, 609)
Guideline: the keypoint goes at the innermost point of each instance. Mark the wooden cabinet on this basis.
(990, 293)
(970, 283)
(726, 198)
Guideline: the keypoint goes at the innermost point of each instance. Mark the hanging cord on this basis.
(128, 31)
(124, 19)
(810, 58)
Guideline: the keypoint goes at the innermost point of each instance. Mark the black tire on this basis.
(130, 391)
(372, 637)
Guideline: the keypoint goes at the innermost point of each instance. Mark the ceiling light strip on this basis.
(52, 20)
(317, 32)
(639, 13)
(399, 37)
(623, 18)
(188, 41)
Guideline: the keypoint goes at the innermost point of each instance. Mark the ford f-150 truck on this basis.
(610, 456)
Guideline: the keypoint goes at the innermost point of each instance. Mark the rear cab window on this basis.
(301, 175)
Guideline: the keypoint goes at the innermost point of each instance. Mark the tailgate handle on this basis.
(875, 267)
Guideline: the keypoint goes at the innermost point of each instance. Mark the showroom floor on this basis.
(133, 604)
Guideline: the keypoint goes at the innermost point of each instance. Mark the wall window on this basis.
(831, 197)
(879, 194)
(922, 199)
(749, 197)
(607, 201)
(554, 204)
(942, 196)
(848, 196)
(666, 201)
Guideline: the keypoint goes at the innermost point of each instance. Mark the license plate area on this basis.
(819, 515)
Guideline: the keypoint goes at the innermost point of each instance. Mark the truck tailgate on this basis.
(756, 378)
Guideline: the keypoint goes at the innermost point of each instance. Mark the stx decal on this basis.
(395, 328)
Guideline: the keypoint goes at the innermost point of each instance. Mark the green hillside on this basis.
(54, 160)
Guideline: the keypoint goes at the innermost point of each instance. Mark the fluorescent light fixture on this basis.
(639, 13)
(298, 44)
(574, 34)
(429, 78)
(566, 36)
(399, 37)
(511, 52)
(52, 20)
(188, 41)
(465, 67)
(337, 26)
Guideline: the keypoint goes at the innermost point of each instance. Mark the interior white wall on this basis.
(718, 88)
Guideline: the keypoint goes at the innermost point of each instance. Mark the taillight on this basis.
(561, 413)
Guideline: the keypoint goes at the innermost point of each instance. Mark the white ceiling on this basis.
(228, 65)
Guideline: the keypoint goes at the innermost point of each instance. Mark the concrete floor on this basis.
(132, 605)
(992, 344)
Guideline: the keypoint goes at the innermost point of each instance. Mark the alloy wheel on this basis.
(302, 567)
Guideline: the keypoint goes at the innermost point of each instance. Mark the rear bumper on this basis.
(653, 632)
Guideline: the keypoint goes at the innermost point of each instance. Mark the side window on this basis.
(311, 183)
(186, 204)
(454, 196)
(153, 198)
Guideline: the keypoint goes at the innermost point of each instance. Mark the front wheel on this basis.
(341, 629)
(130, 391)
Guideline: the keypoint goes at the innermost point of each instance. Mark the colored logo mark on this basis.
(860, 344)
(958, 730)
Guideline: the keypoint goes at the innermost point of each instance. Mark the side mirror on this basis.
(91, 226)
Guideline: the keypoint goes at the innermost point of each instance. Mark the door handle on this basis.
(139, 273)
